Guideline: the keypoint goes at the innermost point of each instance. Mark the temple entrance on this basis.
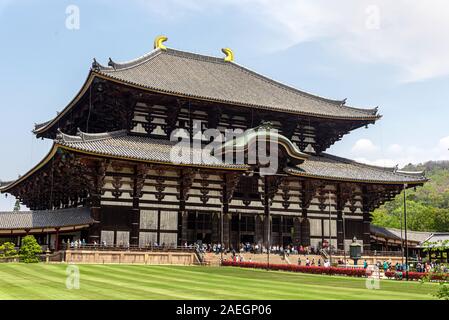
(247, 238)
(204, 237)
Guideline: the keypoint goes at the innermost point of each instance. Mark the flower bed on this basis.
(353, 272)
(415, 275)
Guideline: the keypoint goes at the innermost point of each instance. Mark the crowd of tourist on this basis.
(420, 266)
(252, 248)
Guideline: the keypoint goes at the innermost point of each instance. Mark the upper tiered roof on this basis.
(213, 79)
(203, 77)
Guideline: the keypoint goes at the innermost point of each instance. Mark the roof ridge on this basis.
(83, 136)
(114, 66)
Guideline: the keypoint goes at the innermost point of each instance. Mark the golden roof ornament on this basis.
(229, 54)
(158, 42)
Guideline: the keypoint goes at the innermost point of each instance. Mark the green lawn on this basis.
(42, 281)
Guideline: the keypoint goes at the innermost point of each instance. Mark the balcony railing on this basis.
(374, 253)
(94, 247)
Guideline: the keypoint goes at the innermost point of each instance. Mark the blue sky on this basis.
(374, 53)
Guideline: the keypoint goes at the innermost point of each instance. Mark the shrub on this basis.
(7, 250)
(443, 291)
(29, 250)
(417, 275)
(353, 272)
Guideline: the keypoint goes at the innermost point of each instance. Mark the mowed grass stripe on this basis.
(53, 279)
(41, 281)
(11, 287)
(49, 285)
(148, 286)
(203, 285)
(356, 291)
(102, 288)
(257, 289)
(206, 288)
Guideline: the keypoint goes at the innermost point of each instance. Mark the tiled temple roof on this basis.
(383, 232)
(330, 167)
(190, 75)
(119, 144)
(436, 239)
(13, 220)
(198, 76)
(421, 238)
(324, 166)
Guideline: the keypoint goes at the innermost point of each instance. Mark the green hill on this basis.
(427, 206)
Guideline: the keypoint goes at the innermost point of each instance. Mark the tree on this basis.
(7, 250)
(29, 250)
(427, 206)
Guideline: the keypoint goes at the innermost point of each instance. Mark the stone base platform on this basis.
(130, 257)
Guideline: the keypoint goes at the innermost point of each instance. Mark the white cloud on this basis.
(395, 154)
(364, 146)
(409, 35)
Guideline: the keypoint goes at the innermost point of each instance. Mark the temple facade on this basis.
(112, 177)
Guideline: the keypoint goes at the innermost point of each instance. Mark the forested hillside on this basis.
(427, 207)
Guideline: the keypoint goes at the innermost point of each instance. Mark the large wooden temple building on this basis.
(110, 176)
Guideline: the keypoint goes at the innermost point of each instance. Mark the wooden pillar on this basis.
(305, 228)
(216, 226)
(182, 208)
(135, 214)
(184, 224)
(366, 205)
(239, 232)
(366, 230)
(340, 235)
(307, 194)
(95, 203)
(224, 223)
(340, 207)
(95, 213)
(226, 231)
(57, 240)
(297, 231)
(267, 218)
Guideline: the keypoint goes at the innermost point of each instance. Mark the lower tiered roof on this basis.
(327, 166)
(121, 145)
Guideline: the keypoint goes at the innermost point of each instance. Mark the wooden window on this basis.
(287, 225)
(235, 222)
(247, 223)
(191, 218)
(276, 224)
